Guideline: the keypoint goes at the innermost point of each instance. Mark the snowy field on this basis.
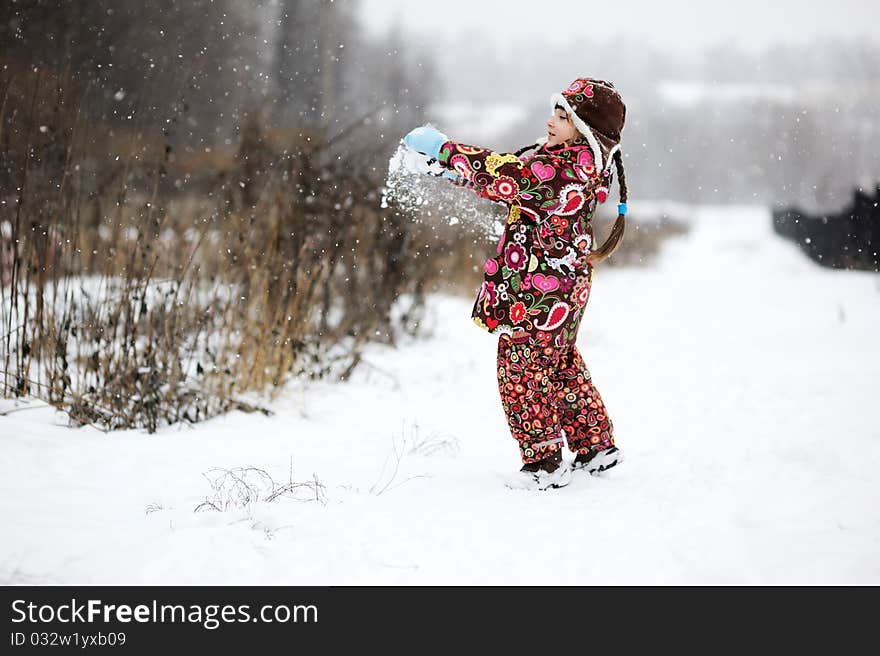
(741, 379)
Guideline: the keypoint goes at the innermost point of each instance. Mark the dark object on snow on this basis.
(848, 240)
(596, 462)
(549, 464)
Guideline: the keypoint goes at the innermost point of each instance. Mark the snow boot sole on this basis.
(602, 461)
(539, 481)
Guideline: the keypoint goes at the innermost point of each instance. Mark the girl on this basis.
(537, 283)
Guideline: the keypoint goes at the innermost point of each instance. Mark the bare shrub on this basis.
(128, 301)
(433, 443)
(244, 487)
(410, 442)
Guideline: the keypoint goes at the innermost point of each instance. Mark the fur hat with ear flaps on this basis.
(598, 112)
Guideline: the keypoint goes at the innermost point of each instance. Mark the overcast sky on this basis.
(669, 23)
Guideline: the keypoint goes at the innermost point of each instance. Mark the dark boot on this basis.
(543, 474)
(549, 464)
(595, 462)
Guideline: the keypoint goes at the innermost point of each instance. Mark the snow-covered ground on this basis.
(741, 379)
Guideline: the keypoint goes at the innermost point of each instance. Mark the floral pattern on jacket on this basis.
(538, 281)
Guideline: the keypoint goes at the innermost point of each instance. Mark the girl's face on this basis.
(560, 128)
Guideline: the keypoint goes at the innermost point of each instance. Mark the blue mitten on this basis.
(426, 139)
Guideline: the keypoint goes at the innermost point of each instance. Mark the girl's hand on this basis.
(426, 139)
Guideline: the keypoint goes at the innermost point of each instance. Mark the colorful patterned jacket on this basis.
(538, 281)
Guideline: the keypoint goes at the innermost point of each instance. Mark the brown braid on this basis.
(621, 175)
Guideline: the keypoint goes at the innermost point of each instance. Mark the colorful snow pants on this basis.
(548, 390)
